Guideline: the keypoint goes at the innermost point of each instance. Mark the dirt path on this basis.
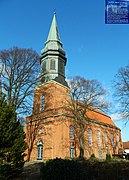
(31, 171)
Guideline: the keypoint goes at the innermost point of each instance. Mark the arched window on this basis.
(40, 150)
(42, 102)
(71, 132)
(89, 137)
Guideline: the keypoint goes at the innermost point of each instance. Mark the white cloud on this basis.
(116, 116)
(119, 116)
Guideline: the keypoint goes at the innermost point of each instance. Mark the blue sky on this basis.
(94, 50)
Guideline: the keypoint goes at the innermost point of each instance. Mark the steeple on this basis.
(53, 33)
(53, 58)
(53, 39)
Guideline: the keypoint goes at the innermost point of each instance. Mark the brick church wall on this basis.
(52, 126)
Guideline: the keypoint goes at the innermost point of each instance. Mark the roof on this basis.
(100, 117)
(126, 145)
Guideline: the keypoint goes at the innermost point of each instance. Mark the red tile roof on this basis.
(100, 117)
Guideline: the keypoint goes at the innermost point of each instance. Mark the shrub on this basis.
(5, 171)
(92, 156)
(8, 170)
(108, 157)
(57, 169)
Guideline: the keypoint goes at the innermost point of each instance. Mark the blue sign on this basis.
(117, 12)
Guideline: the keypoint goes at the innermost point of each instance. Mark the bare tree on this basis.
(20, 68)
(121, 85)
(86, 95)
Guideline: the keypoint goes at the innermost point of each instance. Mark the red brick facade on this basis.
(51, 128)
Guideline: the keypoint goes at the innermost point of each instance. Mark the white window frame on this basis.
(40, 149)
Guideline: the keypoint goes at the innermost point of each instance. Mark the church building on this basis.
(49, 130)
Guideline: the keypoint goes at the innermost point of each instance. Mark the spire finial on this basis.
(54, 11)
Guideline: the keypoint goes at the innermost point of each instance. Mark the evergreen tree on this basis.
(12, 139)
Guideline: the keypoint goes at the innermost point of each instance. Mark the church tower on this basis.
(46, 127)
(53, 60)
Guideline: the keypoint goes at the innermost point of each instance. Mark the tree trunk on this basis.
(81, 156)
(29, 153)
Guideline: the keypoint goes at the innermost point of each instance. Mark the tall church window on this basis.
(40, 150)
(42, 102)
(52, 64)
(71, 132)
(98, 138)
(89, 137)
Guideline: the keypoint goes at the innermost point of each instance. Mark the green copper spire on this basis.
(53, 33)
(53, 60)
